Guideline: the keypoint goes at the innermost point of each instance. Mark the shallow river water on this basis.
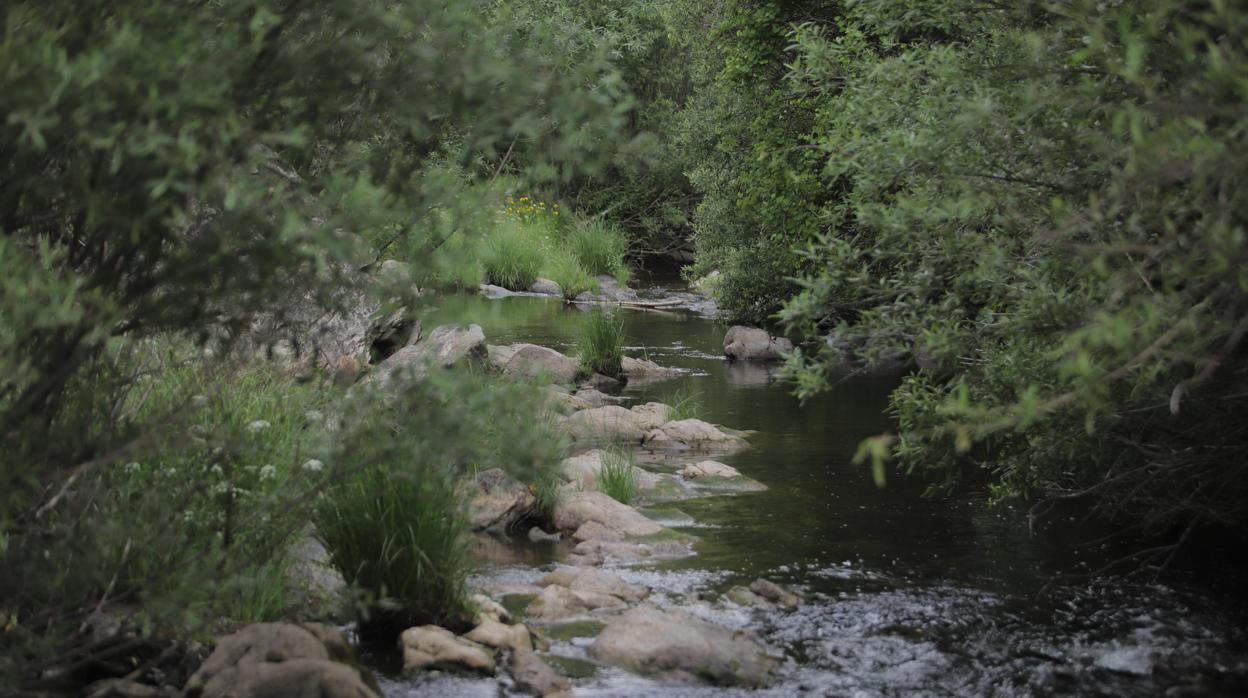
(909, 595)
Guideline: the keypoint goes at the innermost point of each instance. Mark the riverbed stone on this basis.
(559, 602)
(492, 633)
(576, 508)
(693, 435)
(585, 469)
(546, 287)
(709, 468)
(598, 381)
(671, 642)
(775, 593)
(596, 398)
(531, 361)
(281, 659)
(534, 676)
(597, 551)
(489, 608)
(564, 402)
(641, 371)
(431, 647)
(597, 581)
(610, 423)
(498, 502)
(743, 343)
(446, 346)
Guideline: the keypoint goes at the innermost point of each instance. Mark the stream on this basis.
(906, 594)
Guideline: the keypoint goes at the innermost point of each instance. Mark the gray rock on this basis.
(692, 435)
(491, 291)
(743, 343)
(609, 291)
(560, 603)
(775, 593)
(499, 502)
(430, 647)
(535, 677)
(595, 398)
(610, 423)
(281, 659)
(574, 509)
(709, 468)
(446, 346)
(654, 641)
(642, 371)
(532, 361)
(584, 469)
(316, 580)
(596, 581)
(492, 633)
(546, 287)
(600, 382)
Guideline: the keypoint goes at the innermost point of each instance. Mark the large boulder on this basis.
(575, 509)
(546, 287)
(535, 677)
(692, 435)
(640, 371)
(560, 603)
(532, 361)
(499, 502)
(610, 423)
(281, 659)
(446, 346)
(596, 581)
(671, 642)
(585, 469)
(753, 344)
(431, 647)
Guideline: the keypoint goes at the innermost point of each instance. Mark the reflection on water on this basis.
(914, 595)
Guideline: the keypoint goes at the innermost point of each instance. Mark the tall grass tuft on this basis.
(401, 536)
(564, 269)
(617, 478)
(511, 259)
(685, 404)
(599, 247)
(602, 344)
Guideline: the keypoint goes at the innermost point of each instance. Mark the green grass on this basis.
(400, 536)
(510, 258)
(685, 404)
(563, 268)
(599, 247)
(602, 344)
(618, 476)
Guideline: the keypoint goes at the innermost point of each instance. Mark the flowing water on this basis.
(909, 595)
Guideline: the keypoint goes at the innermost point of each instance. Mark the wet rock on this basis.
(575, 509)
(121, 688)
(566, 403)
(431, 647)
(595, 398)
(596, 551)
(281, 659)
(537, 535)
(742, 596)
(592, 530)
(585, 469)
(609, 291)
(559, 602)
(489, 608)
(743, 343)
(775, 593)
(611, 423)
(446, 346)
(692, 435)
(597, 581)
(641, 371)
(499, 502)
(709, 468)
(491, 291)
(532, 361)
(535, 677)
(653, 641)
(492, 633)
(546, 287)
(600, 382)
(319, 585)
(652, 414)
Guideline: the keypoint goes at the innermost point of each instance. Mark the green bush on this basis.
(602, 344)
(599, 247)
(617, 478)
(512, 259)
